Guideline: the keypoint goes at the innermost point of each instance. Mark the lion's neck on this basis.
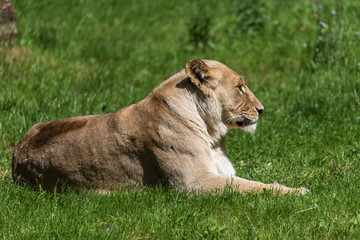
(201, 115)
(210, 113)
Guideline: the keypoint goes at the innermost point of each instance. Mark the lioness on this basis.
(174, 136)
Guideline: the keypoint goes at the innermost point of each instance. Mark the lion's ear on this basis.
(201, 75)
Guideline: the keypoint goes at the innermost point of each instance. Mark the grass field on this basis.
(300, 58)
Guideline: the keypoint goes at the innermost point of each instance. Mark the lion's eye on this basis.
(240, 87)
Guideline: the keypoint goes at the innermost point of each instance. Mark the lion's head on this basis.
(240, 108)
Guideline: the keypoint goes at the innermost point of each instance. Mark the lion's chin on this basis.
(250, 128)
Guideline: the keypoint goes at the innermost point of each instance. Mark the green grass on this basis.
(76, 58)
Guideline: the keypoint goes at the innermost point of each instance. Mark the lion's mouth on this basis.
(245, 122)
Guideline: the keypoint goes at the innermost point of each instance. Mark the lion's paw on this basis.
(302, 191)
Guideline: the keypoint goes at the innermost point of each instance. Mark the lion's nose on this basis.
(260, 111)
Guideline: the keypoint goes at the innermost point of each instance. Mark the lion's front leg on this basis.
(244, 185)
(214, 182)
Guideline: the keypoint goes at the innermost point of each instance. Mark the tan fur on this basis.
(175, 136)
